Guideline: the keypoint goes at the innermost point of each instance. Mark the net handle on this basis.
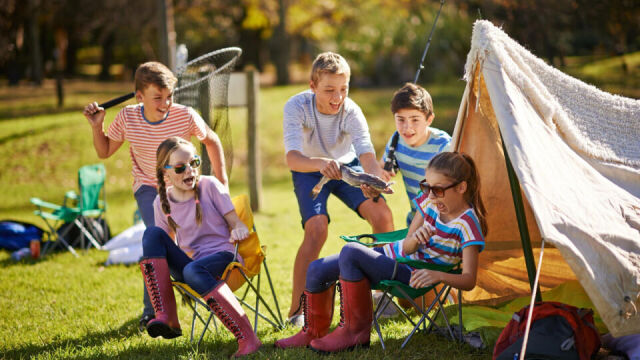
(237, 50)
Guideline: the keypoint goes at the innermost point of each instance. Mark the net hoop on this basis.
(200, 59)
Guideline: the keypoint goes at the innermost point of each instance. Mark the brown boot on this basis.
(158, 282)
(356, 315)
(224, 304)
(317, 309)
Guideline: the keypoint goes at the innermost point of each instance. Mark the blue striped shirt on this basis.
(414, 160)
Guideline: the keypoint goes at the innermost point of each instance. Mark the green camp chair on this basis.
(81, 209)
(397, 289)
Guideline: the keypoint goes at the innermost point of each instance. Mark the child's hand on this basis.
(423, 277)
(239, 233)
(95, 114)
(423, 234)
(331, 170)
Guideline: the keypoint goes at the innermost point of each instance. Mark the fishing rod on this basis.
(424, 54)
(392, 162)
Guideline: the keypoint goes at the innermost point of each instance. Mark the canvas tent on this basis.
(575, 156)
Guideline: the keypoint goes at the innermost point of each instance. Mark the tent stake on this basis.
(522, 223)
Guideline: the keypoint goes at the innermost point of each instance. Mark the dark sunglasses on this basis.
(438, 191)
(180, 168)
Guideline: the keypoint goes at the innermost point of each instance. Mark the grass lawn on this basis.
(61, 307)
(64, 307)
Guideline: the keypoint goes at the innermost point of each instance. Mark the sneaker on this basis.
(296, 320)
(144, 319)
(390, 311)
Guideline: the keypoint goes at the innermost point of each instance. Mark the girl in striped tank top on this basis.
(449, 228)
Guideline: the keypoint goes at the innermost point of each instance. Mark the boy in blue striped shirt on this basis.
(416, 141)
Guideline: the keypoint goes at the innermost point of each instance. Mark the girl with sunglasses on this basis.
(448, 228)
(196, 226)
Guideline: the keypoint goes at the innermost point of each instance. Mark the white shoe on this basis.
(296, 320)
(390, 311)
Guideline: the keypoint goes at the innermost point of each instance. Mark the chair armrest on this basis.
(43, 204)
(377, 239)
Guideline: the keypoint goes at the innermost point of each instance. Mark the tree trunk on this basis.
(107, 56)
(280, 46)
(34, 43)
(167, 34)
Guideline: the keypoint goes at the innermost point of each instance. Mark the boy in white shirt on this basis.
(323, 128)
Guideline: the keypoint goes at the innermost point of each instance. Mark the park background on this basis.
(56, 56)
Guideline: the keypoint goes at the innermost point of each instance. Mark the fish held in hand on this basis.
(356, 179)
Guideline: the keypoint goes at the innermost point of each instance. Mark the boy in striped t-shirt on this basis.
(415, 142)
(146, 125)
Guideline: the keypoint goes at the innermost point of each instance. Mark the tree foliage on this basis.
(382, 39)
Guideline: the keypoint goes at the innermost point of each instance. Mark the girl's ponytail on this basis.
(473, 189)
(166, 208)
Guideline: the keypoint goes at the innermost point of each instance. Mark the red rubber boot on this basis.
(356, 315)
(158, 282)
(224, 304)
(317, 309)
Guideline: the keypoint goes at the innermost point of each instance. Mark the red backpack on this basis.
(558, 331)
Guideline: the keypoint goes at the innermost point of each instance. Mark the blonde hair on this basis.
(329, 63)
(412, 96)
(154, 73)
(460, 167)
(165, 149)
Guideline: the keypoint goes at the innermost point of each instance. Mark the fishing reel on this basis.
(391, 163)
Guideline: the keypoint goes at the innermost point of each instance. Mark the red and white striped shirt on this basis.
(144, 136)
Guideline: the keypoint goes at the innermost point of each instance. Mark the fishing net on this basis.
(203, 84)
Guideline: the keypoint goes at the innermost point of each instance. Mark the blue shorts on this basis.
(304, 182)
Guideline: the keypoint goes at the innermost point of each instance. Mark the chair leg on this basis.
(61, 238)
(86, 233)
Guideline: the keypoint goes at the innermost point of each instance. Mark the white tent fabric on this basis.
(576, 152)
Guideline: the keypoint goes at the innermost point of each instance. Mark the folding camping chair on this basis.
(236, 275)
(82, 210)
(397, 289)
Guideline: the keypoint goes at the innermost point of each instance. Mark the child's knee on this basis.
(351, 252)
(317, 226)
(151, 235)
(190, 273)
(316, 275)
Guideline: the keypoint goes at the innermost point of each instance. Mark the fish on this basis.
(355, 179)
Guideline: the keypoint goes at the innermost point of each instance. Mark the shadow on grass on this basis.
(30, 132)
(94, 339)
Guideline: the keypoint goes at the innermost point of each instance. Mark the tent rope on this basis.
(531, 304)
(630, 309)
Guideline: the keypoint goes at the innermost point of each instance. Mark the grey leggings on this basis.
(354, 263)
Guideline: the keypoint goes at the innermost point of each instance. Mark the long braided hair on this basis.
(165, 149)
(461, 167)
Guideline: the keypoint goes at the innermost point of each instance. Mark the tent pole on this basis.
(522, 223)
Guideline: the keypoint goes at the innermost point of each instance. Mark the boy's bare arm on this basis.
(301, 163)
(372, 166)
(104, 146)
(216, 155)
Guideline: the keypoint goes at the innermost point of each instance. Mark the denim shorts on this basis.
(304, 182)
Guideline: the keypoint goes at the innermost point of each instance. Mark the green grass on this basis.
(60, 307)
